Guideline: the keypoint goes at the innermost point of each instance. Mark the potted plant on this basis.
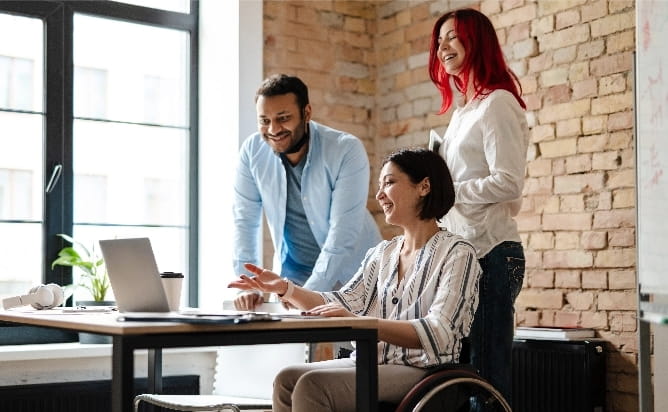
(93, 277)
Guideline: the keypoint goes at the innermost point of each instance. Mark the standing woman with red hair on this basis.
(485, 149)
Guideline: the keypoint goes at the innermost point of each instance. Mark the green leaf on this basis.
(78, 256)
(74, 242)
(69, 251)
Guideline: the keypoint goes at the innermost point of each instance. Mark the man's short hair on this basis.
(419, 163)
(279, 84)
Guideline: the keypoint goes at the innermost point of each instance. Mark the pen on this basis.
(89, 309)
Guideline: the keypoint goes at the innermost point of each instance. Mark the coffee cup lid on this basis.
(171, 275)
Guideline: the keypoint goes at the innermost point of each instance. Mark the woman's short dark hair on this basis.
(279, 84)
(419, 163)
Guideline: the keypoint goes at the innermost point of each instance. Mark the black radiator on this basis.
(558, 376)
(86, 396)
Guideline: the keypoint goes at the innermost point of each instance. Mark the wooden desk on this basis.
(128, 336)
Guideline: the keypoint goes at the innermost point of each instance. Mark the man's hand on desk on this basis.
(248, 301)
(262, 281)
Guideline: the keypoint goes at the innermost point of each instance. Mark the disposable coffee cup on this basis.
(172, 282)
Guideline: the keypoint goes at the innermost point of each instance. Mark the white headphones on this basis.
(40, 297)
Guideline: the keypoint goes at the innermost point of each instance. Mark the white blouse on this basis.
(485, 148)
(439, 297)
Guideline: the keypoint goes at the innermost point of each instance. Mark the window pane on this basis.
(15, 193)
(129, 174)
(130, 72)
(21, 63)
(21, 166)
(90, 86)
(131, 137)
(20, 202)
(91, 205)
(21, 155)
(182, 6)
(23, 243)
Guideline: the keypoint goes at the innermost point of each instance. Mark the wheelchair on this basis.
(455, 387)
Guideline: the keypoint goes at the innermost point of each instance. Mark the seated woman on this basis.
(422, 286)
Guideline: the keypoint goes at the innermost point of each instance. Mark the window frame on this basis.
(57, 17)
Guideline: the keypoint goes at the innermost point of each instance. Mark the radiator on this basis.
(87, 396)
(558, 376)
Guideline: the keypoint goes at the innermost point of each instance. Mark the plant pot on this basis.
(94, 337)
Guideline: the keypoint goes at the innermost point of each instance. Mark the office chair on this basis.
(454, 387)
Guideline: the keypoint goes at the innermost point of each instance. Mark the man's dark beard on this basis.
(297, 146)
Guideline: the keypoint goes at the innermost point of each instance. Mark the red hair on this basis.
(484, 59)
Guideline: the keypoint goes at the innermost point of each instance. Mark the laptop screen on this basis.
(134, 275)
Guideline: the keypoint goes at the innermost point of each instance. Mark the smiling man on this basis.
(312, 183)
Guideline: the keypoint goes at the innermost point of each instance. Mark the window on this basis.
(21, 158)
(132, 127)
(114, 108)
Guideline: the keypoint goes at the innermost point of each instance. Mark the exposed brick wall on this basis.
(330, 46)
(578, 216)
(366, 65)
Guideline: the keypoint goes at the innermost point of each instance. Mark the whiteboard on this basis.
(652, 145)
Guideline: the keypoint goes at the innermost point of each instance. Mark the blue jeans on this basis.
(493, 325)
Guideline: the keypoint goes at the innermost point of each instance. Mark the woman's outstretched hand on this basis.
(332, 309)
(262, 279)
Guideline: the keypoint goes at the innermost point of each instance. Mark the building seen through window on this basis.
(130, 141)
(130, 128)
(16, 82)
(21, 157)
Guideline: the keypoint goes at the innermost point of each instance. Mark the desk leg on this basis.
(122, 375)
(366, 371)
(155, 370)
(154, 374)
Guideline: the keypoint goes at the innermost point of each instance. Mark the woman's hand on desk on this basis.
(332, 309)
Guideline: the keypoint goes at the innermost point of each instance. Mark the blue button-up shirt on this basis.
(334, 189)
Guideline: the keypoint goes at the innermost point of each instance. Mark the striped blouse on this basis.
(439, 297)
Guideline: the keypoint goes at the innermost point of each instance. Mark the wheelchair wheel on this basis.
(460, 395)
(453, 390)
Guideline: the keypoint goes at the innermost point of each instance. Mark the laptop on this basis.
(134, 275)
(140, 296)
